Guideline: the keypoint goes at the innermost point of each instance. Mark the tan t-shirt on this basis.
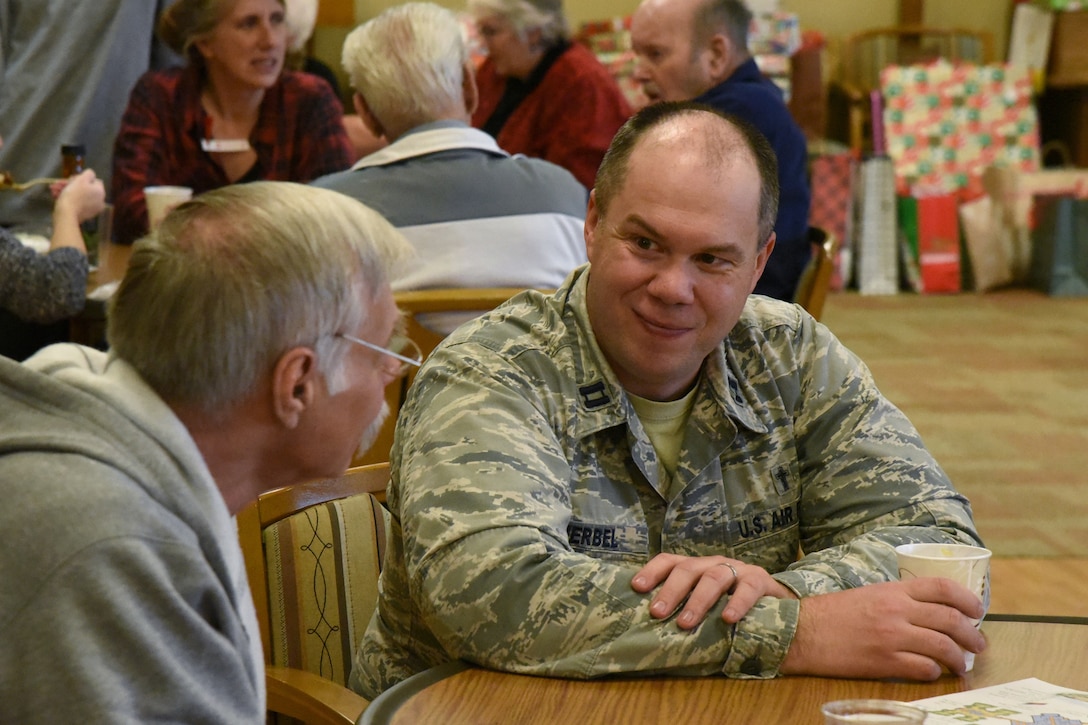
(664, 423)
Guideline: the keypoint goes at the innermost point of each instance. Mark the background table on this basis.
(461, 695)
(89, 326)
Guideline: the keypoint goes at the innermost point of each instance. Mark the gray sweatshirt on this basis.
(123, 595)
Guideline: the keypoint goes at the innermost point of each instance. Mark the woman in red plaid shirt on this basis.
(233, 114)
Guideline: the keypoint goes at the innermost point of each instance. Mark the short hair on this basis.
(525, 15)
(718, 146)
(239, 275)
(409, 64)
(185, 22)
(715, 16)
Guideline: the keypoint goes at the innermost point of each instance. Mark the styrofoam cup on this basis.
(968, 565)
(161, 199)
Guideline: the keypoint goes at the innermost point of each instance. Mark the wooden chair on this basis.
(469, 299)
(865, 54)
(422, 302)
(815, 281)
(306, 547)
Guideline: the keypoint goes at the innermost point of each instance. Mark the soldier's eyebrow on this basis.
(651, 232)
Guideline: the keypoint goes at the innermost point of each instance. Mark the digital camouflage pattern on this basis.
(525, 496)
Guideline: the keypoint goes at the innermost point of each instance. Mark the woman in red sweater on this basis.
(540, 94)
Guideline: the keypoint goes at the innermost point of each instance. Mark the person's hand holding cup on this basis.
(966, 565)
(161, 199)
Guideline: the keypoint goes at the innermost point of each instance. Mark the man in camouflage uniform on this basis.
(574, 472)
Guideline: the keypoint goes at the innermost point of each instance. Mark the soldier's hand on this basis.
(702, 581)
(904, 629)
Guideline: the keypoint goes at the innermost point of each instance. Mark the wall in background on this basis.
(836, 19)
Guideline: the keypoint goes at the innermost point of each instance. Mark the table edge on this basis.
(383, 707)
(1036, 618)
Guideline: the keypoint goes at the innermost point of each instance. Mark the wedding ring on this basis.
(730, 566)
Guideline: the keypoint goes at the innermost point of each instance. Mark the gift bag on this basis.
(1013, 192)
(989, 244)
(931, 224)
(1059, 263)
(875, 242)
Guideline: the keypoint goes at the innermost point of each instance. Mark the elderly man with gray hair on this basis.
(478, 216)
(252, 339)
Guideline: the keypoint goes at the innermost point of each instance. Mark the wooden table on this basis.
(457, 694)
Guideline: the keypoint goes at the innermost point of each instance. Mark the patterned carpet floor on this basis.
(997, 384)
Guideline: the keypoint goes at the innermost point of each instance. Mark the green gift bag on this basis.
(1059, 260)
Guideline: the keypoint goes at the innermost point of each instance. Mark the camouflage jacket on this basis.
(525, 496)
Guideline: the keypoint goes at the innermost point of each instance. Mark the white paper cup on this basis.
(968, 565)
(852, 712)
(161, 199)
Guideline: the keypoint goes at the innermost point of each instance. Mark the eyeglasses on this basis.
(404, 349)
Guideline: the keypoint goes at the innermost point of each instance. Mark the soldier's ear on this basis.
(589, 228)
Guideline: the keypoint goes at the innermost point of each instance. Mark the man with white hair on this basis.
(252, 339)
(478, 216)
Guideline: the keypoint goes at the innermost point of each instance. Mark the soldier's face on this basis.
(673, 261)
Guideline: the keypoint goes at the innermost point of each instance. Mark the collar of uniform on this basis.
(431, 138)
(730, 391)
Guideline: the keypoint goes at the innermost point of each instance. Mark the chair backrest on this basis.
(866, 54)
(815, 281)
(313, 553)
(414, 304)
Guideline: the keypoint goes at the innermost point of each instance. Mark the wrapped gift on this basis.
(775, 33)
(772, 38)
(946, 123)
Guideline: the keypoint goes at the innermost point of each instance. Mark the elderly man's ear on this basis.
(369, 119)
(470, 89)
(293, 381)
(719, 57)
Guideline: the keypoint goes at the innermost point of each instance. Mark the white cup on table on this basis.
(161, 199)
(967, 565)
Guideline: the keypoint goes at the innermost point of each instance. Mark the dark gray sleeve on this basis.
(41, 288)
